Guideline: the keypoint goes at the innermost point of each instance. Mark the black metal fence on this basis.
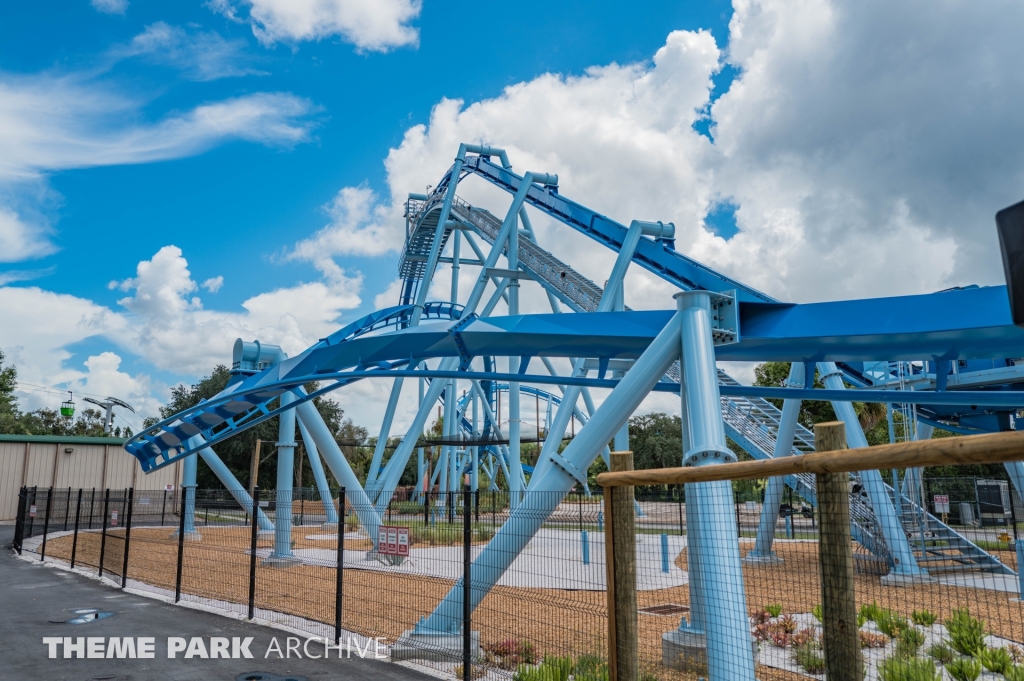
(547, 613)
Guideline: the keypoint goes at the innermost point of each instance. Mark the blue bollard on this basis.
(1020, 566)
(664, 553)
(586, 547)
(600, 521)
(789, 526)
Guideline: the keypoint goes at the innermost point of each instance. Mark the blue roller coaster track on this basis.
(941, 360)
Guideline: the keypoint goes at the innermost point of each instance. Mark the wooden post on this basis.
(254, 467)
(835, 557)
(620, 552)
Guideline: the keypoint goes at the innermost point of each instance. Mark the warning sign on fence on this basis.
(393, 541)
(32, 511)
(113, 518)
(941, 502)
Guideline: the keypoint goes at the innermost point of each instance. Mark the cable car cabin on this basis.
(67, 408)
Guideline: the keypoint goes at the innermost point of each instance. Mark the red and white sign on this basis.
(168, 488)
(32, 511)
(941, 502)
(113, 518)
(392, 540)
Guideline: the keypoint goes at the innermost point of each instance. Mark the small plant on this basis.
(1016, 653)
(809, 657)
(924, 618)
(779, 638)
(816, 611)
(803, 637)
(940, 652)
(910, 641)
(1015, 673)
(966, 633)
(774, 609)
(761, 617)
(787, 624)
(964, 669)
(510, 653)
(351, 522)
(872, 640)
(861, 619)
(590, 668)
(890, 624)
(903, 669)
(869, 611)
(995, 660)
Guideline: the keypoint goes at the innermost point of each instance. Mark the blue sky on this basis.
(234, 206)
(814, 149)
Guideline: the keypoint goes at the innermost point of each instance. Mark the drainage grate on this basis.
(666, 609)
(268, 676)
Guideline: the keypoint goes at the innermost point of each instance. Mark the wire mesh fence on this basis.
(538, 582)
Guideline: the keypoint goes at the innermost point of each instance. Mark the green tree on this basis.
(10, 415)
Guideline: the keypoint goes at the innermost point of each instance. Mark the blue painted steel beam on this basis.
(658, 257)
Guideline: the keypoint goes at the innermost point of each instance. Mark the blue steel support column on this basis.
(556, 480)
(343, 473)
(229, 481)
(372, 485)
(398, 461)
(762, 552)
(282, 555)
(905, 568)
(729, 652)
(188, 481)
(322, 487)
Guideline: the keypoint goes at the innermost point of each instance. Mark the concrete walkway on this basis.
(552, 560)
(33, 595)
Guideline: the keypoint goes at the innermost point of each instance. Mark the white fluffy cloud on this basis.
(370, 25)
(360, 225)
(169, 326)
(163, 321)
(867, 146)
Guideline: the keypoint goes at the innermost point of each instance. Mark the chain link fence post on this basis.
(74, 540)
(127, 536)
(46, 523)
(252, 550)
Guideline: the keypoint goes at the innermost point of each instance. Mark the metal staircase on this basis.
(751, 422)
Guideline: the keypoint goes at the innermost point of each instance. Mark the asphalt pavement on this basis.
(36, 601)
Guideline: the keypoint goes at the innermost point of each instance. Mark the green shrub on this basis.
(910, 641)
(995, 660)
(966, 634)
(890, 624)
(816, 611)
(964, 669)
(903, 669)
(861, 619)
(809, 657)
(774, 609)
(590, 668)
(924, 618)
(941, 652)
(551, 669)
(869, 611)
(1015, 673)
